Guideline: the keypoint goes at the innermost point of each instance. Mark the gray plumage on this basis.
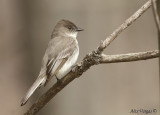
(60, 56)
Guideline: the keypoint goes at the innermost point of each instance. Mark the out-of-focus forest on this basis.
(109, 89)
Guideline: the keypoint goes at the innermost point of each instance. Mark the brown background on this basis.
(110, 89)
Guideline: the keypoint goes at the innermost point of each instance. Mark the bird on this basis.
(61, 54)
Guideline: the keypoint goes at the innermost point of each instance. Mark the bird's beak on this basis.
(80, 29)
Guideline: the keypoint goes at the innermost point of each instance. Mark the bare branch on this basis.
(155, 13)
(80, 68)
(89, 60)
(129, 57)
(123, 26)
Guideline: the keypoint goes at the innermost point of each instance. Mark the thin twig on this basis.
(123, 26)
(89, 60)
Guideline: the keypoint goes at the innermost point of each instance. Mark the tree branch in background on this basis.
(155, 13)
(94, 58)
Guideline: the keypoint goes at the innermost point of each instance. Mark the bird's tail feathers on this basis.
(39, 81)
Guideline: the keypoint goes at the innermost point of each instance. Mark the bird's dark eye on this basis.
(69, 27)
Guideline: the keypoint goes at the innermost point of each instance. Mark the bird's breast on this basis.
(69, 63)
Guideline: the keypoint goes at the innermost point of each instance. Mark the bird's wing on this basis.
(55, 64)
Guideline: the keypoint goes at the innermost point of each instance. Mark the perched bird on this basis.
(61, 54)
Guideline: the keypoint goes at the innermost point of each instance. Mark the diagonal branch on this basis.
(89, 60)
(123, 26)
(45, 98)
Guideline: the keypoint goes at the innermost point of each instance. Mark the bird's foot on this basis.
(73, 68)
(58, 80)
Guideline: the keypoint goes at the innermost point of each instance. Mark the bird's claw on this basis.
(73, 68)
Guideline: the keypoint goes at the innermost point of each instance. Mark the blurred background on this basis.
(109, 89)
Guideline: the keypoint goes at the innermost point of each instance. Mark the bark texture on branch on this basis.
(129, 57)
(94, 58)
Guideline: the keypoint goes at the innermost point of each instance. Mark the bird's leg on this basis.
(58, 80)
(40, 86)
(73, 68)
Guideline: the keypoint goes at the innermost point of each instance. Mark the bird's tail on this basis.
(39, 81)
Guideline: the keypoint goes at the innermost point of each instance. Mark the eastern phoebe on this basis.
(60, 56)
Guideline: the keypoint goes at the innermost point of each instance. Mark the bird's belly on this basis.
(67, 66)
